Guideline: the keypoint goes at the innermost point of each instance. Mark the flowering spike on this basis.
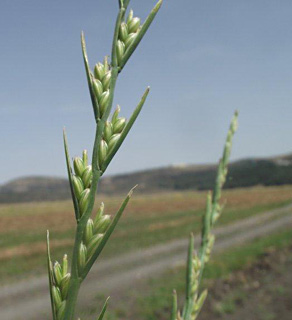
(78, 166)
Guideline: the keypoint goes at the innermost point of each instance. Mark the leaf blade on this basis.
(69, 170)
(141, 33)
(126, 130)
(102, 313)
(50, 275)
(88, 76)
(107, 234)
(174, 306)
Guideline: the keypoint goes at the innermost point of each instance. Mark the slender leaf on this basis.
(108, 233)
(101, 315)
(208, 218)
(69, 170)
(206, 225)
(174, 306)
(222, 168)
(126, 3)
(141, 34)
(126, 130)
(190, 266)
(50, 275)
(189, 280)
(89, 78)
(200, 303)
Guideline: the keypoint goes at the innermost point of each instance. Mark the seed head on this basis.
(102, 152)
(88, 232)
(57, 270)
(97, 88)
(116, 114)
(56, 297)
(133, 25)
(65, 265)
(113, 141)
(101, 223)
(120, 51)
(78, 166)
(78, 186)
(119, 125)
(123, 31)
(130, 39)
(82, 255)
(130, 16)
(87, 177)
(103, 101)
(108, 131)
(61, 311)
(83, 202)
(99, 71)
(85, 157)
(93, 244)
(106, 80)
(64, 286)
(99, 213)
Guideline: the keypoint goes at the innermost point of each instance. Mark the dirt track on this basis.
(29, 299)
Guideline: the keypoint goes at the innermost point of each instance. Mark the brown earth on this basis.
(25, 250)
(58, 216)
(262, 291)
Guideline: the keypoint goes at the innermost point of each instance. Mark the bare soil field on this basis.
(261, 291)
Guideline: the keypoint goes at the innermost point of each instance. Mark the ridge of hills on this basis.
(242, 173)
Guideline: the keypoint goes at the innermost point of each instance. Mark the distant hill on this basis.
(243, 173)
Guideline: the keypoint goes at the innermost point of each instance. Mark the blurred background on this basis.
(203, 60)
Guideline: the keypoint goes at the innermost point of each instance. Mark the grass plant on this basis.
(93, 231)
(194, 299)
(92, 234)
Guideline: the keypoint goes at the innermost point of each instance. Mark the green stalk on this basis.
(141, 33)
(207, 223)
(107, 234)
(189, 279)
(174, 305)
(194, 301)
(69, 171)
(76, 279)
(50, 272)
(102, 313)
(89, 78)
(126, 3)
(125, 131)
(79, 183)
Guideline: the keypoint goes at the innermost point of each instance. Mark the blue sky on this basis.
(202, 59)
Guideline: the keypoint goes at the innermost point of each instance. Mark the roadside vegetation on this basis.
(240, 281)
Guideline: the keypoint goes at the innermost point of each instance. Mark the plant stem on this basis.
(77, 279)
(72, 297)
(81, 261)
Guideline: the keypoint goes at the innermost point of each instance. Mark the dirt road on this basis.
(29, 299)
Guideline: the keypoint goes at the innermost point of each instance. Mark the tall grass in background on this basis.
(93, 230)
(194, 299)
